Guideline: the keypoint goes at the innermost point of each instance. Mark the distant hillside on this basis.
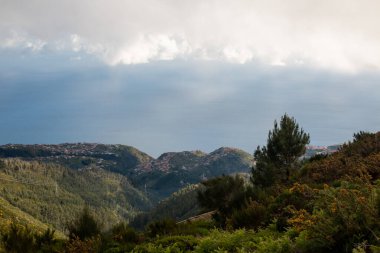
(178, 206)
(157, 178)
(360, 158)
(173, 171)
(117, 158)
(54, 194)
(321, 150)
(50, 184)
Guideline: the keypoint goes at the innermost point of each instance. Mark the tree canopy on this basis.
(286, 143)
(223, 194)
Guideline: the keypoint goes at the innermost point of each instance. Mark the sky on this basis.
(169, 75)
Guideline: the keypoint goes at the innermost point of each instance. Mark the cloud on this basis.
(149, 47)
(16, 40)
(341, 35)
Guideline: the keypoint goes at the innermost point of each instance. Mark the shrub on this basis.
(281, 244)
(19, 239)
(225, 241)
(253, 216)
(342, 218)
(88, 245)
(121, 238)
(162, 227)
(195, 228)
(46, 242)
(85, 226)
(223, 194)
(124, 234)
(181, 243)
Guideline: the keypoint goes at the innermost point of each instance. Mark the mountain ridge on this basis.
(156, 177)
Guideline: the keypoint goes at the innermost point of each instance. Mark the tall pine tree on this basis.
(285, 145)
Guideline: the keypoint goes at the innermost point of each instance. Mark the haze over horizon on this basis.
(169, 75)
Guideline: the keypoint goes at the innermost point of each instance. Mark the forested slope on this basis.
(54, 194)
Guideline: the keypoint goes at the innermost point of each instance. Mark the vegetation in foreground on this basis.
(325, 204)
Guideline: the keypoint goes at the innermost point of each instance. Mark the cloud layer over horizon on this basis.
(340, 35)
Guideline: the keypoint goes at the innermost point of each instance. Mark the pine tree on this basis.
(285, 145)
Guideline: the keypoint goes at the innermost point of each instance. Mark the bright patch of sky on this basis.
(168, 75)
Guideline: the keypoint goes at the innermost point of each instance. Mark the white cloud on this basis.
(335, 34)
(150, 47)
(21, 41)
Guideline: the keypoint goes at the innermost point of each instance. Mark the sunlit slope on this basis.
(55, 195)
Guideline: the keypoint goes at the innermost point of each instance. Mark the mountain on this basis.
(173, 171)
(157, 178)
(321, 150)
(50, 184)
(116, 158)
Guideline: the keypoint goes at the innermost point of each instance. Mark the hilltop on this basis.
(116, 158)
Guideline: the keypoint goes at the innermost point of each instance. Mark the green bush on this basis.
(281, 244)
(46, 242)
(162, 227)
(227, 241)
(121, 238)
(124, 234)
(223, 194)
(342, 218)
(19, 239)
(149, 248)
(22, 239)
(85, 226)
(252, 216)
(182, 243)
(195, 228)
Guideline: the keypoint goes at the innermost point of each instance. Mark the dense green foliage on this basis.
(223, 194)
(22, 239)
(329, 204)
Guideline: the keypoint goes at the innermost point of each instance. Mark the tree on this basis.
(223, 194)
(285, 145)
